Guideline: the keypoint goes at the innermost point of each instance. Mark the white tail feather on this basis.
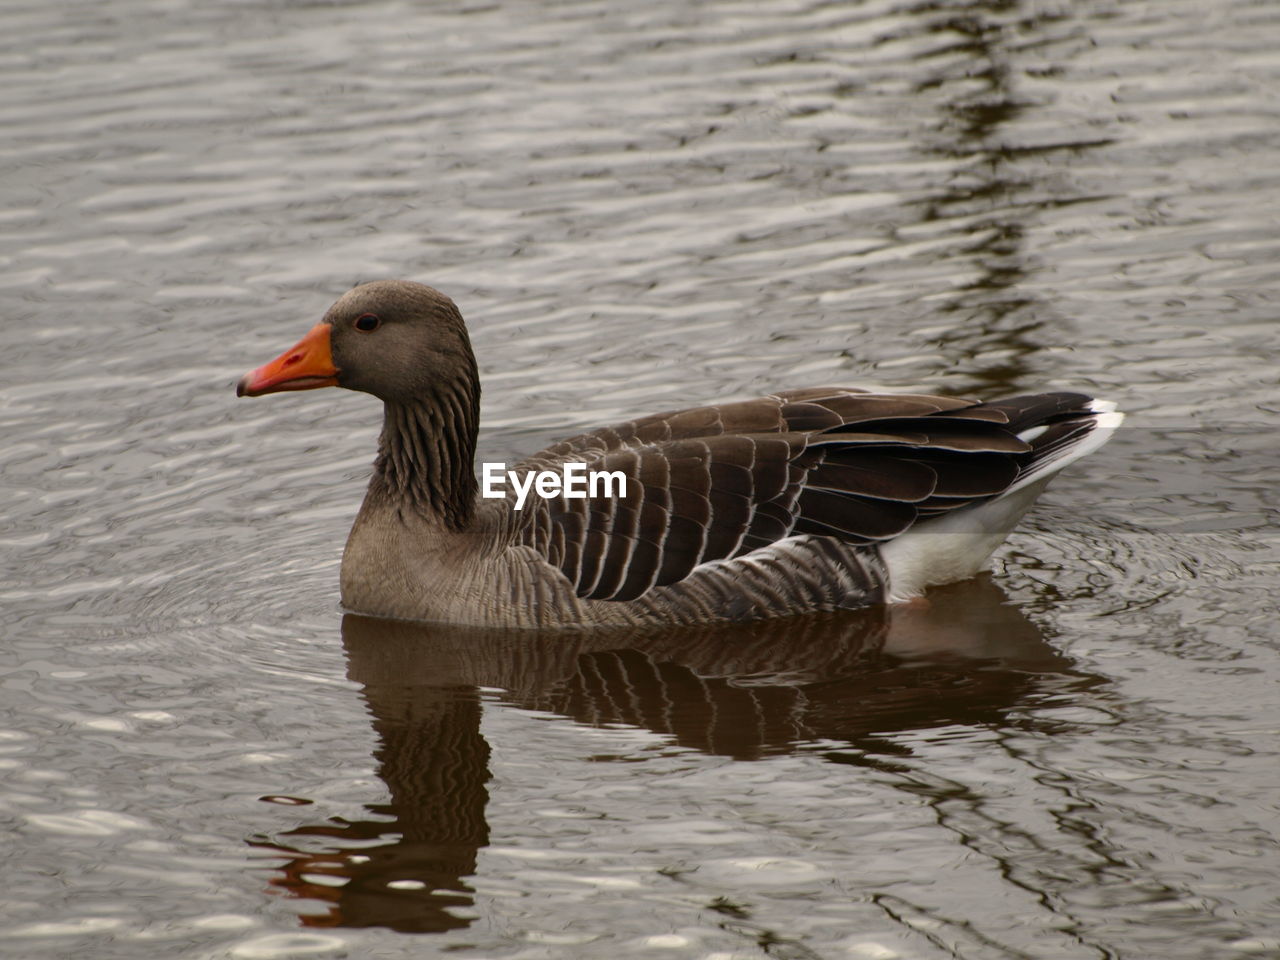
(957, 545)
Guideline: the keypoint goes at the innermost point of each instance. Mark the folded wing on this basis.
(717, 482)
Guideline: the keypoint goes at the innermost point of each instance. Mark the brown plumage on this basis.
(819, 498)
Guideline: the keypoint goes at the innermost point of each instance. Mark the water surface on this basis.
(637, 207)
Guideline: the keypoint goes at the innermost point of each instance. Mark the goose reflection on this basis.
(843, 685)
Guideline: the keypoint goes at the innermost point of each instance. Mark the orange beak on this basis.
(306, 365)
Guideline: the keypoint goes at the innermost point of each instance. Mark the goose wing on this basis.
(716, 482)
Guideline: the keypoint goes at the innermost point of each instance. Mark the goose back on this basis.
(720, 482)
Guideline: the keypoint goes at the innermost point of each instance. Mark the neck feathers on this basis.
(426, 454)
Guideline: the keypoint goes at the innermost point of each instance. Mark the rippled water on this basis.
(637, 206)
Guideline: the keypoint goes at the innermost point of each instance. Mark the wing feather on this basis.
(716, 482)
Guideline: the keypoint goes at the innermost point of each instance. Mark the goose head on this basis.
(400, 341)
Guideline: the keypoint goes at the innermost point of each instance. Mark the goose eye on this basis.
(367, 322)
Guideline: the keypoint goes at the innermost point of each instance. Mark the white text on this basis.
(573, 482)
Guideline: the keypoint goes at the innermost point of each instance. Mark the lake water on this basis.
(638, 206)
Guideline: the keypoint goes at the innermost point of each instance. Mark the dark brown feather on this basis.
(711, 483)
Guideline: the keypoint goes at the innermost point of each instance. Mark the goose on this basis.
(808, 499)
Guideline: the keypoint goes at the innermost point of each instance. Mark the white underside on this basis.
(953, 547)
(958, 545)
